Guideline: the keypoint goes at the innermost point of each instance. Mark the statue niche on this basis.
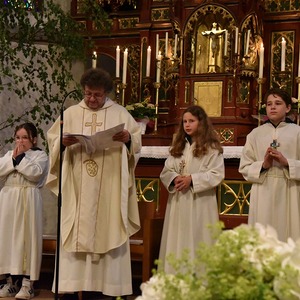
(214, 49)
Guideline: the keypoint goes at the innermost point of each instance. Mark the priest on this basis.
(99, 205)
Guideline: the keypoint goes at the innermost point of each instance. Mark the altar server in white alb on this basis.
(271, 161)
(99, 202)
(23, 171)
(191, 173)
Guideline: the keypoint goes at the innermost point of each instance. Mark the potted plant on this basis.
(143, 112)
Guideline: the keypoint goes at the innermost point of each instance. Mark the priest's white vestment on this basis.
(189, 213)
(21, 213)
(99, 203)
(275, 193)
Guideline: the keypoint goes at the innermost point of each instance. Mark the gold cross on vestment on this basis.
(93, 124)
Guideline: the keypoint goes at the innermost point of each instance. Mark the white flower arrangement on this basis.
(140, 110)
(248, 262)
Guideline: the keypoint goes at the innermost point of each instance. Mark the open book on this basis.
(100, 140)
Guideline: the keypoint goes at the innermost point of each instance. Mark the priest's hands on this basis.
(69, 140)
(122, 136)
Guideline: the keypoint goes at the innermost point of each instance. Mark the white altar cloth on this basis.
(162, 152)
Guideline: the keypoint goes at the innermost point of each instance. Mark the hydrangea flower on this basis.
(246, 263)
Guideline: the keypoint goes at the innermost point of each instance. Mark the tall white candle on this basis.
(175, 45)
(283, 46)
(158, 67)
(236, 40)
(148, 62)
(261, 60)
(125, 57)
(94, 60)
(299, 62)
(225, 42)
(166, 45)
(157, 46)
(118, 62)
(247, 42)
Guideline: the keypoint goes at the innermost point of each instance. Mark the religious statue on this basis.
(214, 36)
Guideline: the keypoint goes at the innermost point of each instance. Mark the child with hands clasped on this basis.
(23, 171)
(191, 173)
(271, 161)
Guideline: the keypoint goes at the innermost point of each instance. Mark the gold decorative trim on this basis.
(234, 197)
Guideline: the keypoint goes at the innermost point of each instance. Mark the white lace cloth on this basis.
(163, 151)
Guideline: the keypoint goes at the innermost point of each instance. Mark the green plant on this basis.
(37, 50)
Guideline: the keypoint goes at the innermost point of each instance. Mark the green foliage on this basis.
(94, 11)
(37, 49)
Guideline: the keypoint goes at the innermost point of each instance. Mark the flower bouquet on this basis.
(248, 262)
(143, 112)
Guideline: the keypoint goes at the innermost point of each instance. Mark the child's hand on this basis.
(268, 159)
(182, 182)
(277, 156)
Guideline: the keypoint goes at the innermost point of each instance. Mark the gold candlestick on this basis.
(117, 88)
(260, 82)
(156, 86)
(123, 87)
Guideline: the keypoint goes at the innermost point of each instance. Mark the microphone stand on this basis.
(59, 196)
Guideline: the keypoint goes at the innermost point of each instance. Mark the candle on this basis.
(148, 62)
(261, 60)
(283, 46)
(158, 67)
(175, 45)
(247, 42)
(94, 60)
(157, 46)
(299, 63)
(118, 62)
(236, 40)
(166, 50)
(125, 65)
(225, 42)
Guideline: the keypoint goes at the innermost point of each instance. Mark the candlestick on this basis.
(236, 40)
(225, 42)
(94, 60)
(175, 45)
(156, 86)
(247, 42)
(148, 62)
(166, 45)
(260, 82)
(283, 46)
(159, 57)
(261, 60)
(125, 57)
(118, 62)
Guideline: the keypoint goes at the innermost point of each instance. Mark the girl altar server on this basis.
(191, 173)
(271, 161)
(23, 171)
